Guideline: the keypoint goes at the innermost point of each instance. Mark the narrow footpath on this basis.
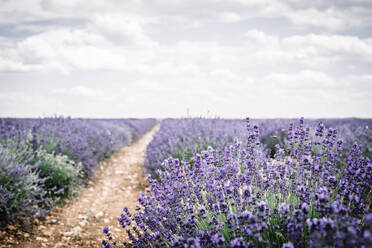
(118, 184)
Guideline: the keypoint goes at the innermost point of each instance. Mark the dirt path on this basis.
(80, 224)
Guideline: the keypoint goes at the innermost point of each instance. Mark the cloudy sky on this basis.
(170, 58)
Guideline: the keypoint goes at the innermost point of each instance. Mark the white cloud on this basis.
(331, 15)
(129, 49)
(126, 30)
(332, 44)
(63, 50)
(83, 91)
(329, 18)
(305, 80)
(79, 91)
(231, 17)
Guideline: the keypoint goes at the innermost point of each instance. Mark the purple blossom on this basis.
(309, 193)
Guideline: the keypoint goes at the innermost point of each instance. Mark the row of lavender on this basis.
(277, 185)
(44, 161)
(349, 130)
(182, 138)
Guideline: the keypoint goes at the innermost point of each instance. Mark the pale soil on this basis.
(80, 224)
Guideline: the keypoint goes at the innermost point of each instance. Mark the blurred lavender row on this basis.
(43, 161)
(182, 138)
(83, 140)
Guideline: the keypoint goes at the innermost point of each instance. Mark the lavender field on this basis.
(259, 183)
(123, 123)
(211, 182)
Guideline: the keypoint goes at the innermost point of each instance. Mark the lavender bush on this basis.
(273, 131)
(182, 138)
(62, 175)
(237, 196)
(351, 130)
(22, 195)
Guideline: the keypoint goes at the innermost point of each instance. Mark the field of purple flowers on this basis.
(261, 183)
(44, 161)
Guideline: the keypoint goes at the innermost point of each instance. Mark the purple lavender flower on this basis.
(309, 193)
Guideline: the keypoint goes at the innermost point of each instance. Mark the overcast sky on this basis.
(167, 58)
